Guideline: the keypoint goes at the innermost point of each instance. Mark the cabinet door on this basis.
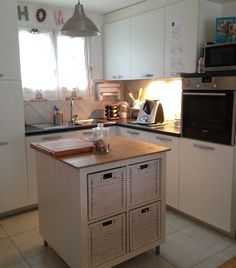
(181, 31)
(13, 177)
(134, 134)
(147, 45)
(9, 51)
(117, 59)
(172, 167)
(206, 173)
(31, 161)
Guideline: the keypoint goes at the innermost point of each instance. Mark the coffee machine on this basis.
(151, 112)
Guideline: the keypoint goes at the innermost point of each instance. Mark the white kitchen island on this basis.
(98, 210)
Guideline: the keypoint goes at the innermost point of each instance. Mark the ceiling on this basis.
(97, 6)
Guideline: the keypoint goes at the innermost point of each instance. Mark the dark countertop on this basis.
(167, 129)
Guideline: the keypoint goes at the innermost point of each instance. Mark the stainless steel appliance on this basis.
(150, 112)
(220, 57)
(208, 108)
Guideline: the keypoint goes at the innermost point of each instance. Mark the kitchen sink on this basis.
(90, 121)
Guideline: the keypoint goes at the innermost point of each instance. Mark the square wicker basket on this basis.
(144, 181)
(107, 239)
(106, 192)
(144, 225)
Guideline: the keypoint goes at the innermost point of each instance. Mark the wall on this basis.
(168, 91)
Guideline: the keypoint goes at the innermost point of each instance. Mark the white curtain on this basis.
(56, 66)
(38, 64)
(72, 65)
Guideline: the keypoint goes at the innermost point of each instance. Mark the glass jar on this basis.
(100, 139)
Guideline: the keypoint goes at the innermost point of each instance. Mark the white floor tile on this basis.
(147, 260)
(9, 254)
(176, 222)
(29, 243)
(192, 245)
(47, 259)
(21, 264)
(2, 233)
(20, 223)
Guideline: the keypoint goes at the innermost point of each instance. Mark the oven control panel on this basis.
(209, 83)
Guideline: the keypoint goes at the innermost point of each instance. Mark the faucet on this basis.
(72, 117)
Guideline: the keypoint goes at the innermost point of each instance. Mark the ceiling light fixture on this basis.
(79, 24)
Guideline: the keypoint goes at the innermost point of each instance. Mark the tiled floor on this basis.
(188, 244)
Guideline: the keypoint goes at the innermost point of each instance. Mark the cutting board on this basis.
(63, 147)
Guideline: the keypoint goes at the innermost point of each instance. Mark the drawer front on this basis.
(144, 225)
(144, 181)
(106, 192)
(107, 239)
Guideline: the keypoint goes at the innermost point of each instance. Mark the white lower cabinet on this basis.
(31, 161)
(133, 133)
(172, 166)
(207, 183)
(13, 174)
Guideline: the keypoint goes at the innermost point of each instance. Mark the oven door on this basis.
(208, 115)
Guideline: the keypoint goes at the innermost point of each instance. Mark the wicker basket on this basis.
(106, 192)
(144, 225)
(107, 239)
(144, 180)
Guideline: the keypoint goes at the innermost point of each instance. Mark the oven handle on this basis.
(203, 94)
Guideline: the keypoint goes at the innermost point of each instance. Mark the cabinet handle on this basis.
(144, 210)
(147, 75)
(1, 74)
(117, 76)
(174, 74)
(205, 147)
(107, 223)
(163, 139)
(3, 143)
(51, 138)
(133, 133)
(87, 133)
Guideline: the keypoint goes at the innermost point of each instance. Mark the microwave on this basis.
(220, 57)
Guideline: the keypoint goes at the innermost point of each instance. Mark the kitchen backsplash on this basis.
(42, 112)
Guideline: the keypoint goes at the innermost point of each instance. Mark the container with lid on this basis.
(100, 139)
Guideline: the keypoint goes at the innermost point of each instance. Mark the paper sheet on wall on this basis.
(177, 49)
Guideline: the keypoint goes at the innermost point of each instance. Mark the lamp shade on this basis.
(79, 24)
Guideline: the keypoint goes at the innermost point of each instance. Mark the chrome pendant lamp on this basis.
(79, 24)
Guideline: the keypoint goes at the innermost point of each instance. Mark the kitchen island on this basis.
(98, 210)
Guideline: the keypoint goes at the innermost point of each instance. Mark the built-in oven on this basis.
(208, 109)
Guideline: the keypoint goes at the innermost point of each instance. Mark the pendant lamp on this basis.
(79, 24)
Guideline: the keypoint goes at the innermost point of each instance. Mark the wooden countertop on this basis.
(121, 148)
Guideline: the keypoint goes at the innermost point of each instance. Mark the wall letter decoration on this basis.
(23, 13)
(41, 14)
(58, 17)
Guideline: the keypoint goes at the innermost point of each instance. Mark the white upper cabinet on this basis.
(147, 45)
(9, 51)
(181, 31)
(117, 53)
(134, 47)
(188, 24)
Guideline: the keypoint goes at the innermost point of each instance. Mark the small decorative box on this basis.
(225, 29)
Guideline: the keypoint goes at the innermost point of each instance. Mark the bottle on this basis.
(200, 66)
(100, 139)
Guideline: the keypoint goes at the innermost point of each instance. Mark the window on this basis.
(52, 64)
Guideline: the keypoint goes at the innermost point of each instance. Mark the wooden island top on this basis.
(121, 148)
